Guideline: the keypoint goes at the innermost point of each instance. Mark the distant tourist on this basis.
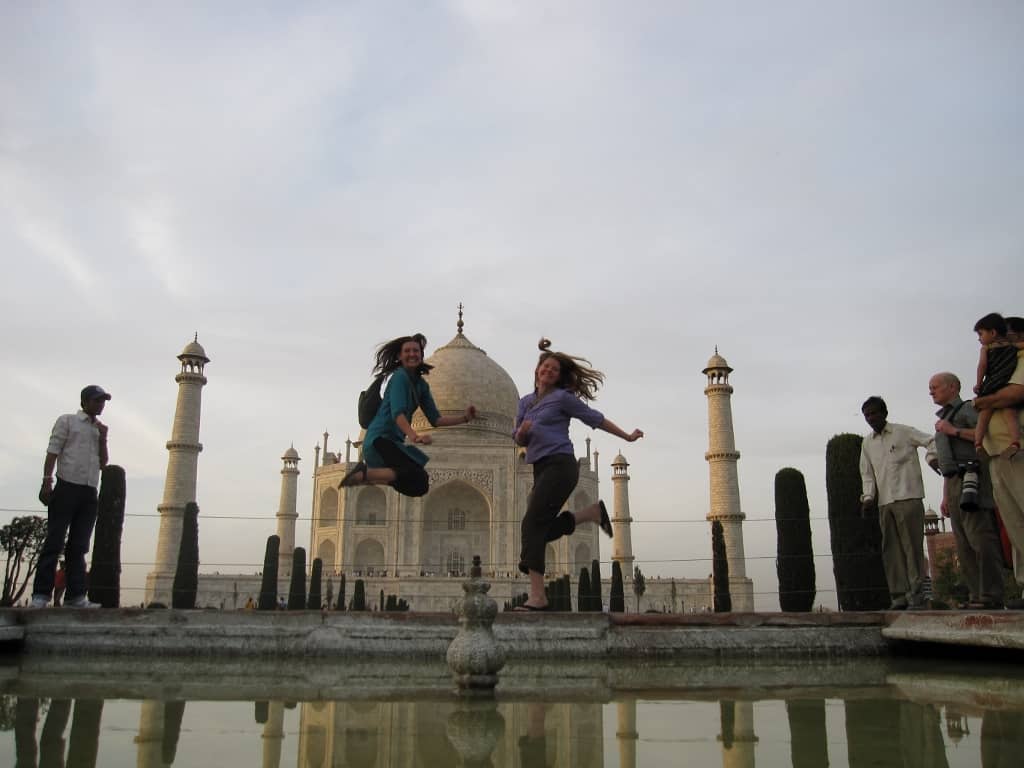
(891, 476)
(996, 363)
(387, 458)
(561, 384)
(975, 529)
(1008, 470)
(78, 450)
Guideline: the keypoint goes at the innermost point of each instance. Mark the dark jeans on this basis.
(412, 479)
(554, 478)
(71, 507)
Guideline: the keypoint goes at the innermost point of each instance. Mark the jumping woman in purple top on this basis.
(560, 385)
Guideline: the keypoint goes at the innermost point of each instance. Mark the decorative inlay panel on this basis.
(482, 479)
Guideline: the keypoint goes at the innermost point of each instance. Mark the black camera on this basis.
(969, 492)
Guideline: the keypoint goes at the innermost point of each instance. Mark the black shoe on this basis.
(606, 523)
(1016, 604)
(348, 480)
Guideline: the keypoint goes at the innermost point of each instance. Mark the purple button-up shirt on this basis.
(549, 433)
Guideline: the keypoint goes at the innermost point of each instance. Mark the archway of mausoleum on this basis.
(326, 552)
(369, 558)
(328, 513)
(371, 507)
(456, 526)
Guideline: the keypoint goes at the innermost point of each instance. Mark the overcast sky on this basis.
(830, 192)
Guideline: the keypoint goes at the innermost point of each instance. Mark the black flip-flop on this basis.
(346, 481)
(606, 523)
(524, 608)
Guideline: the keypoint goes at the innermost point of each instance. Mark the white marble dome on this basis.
(464, 374)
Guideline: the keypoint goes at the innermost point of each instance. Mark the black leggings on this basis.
(554, 478)
(412, 479)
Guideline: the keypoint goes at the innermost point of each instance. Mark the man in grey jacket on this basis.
(974, 527)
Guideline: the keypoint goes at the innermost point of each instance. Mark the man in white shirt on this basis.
(891, 477)
(78, 450)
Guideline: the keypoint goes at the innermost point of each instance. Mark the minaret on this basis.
(286, 512)
(182, 468)
(725, 486)
(622, 543)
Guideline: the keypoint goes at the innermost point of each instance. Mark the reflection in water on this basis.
(83, 747)
(905, 719)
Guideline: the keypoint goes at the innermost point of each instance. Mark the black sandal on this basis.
(606, 523)
(347, 481)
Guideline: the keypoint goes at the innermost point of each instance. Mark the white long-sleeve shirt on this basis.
(890, 469)
(76, 442)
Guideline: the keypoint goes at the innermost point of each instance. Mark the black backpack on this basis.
(369, 402)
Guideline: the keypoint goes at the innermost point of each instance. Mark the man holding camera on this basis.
(967, 493)
(891, 477)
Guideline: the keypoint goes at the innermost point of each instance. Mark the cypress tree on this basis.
(105, 571)
(261, 711)
(720, 571)
(566, 593)
(329, 597)
(358, 597)
(341, 594)
(856, 539)
(268, 587)
(315, 575)
(380, 602)
(794, 564)
(186, 576)
(595, 586)
(583, 592)
(297, 587)
(617, 597)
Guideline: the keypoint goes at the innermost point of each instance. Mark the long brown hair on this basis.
(388, 356)
(575, 375)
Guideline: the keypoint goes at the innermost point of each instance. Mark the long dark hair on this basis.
(575, 375)
(388, 355)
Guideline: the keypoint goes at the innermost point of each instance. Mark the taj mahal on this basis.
(418, 549)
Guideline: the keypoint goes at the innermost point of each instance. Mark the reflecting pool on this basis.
(312, 714)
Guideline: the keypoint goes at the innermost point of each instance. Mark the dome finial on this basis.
(460, 323)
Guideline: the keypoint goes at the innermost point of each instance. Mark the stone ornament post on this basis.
(474, 655)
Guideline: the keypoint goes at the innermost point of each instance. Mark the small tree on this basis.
(380, 601)
(268, 587)
(856, 538)
(794, 564)
(595, 585)
(105, 571)
(583, 592)
(315, 575)
(617, 596)
(948, 586)
(639, 586)
(186, 577)
(358, 597)
(21, 540)
(297, 587)
(723, 601)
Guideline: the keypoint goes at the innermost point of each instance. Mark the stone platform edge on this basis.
(213, 634)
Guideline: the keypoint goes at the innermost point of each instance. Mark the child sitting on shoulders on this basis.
(996, 364)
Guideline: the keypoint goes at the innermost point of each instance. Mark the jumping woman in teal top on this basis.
(387, 458)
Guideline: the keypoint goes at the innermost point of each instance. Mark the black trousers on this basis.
(412, 479)
(70, 518)
(554, 479)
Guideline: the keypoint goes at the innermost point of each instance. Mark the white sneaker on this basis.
(81, 602)
(39, 601)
